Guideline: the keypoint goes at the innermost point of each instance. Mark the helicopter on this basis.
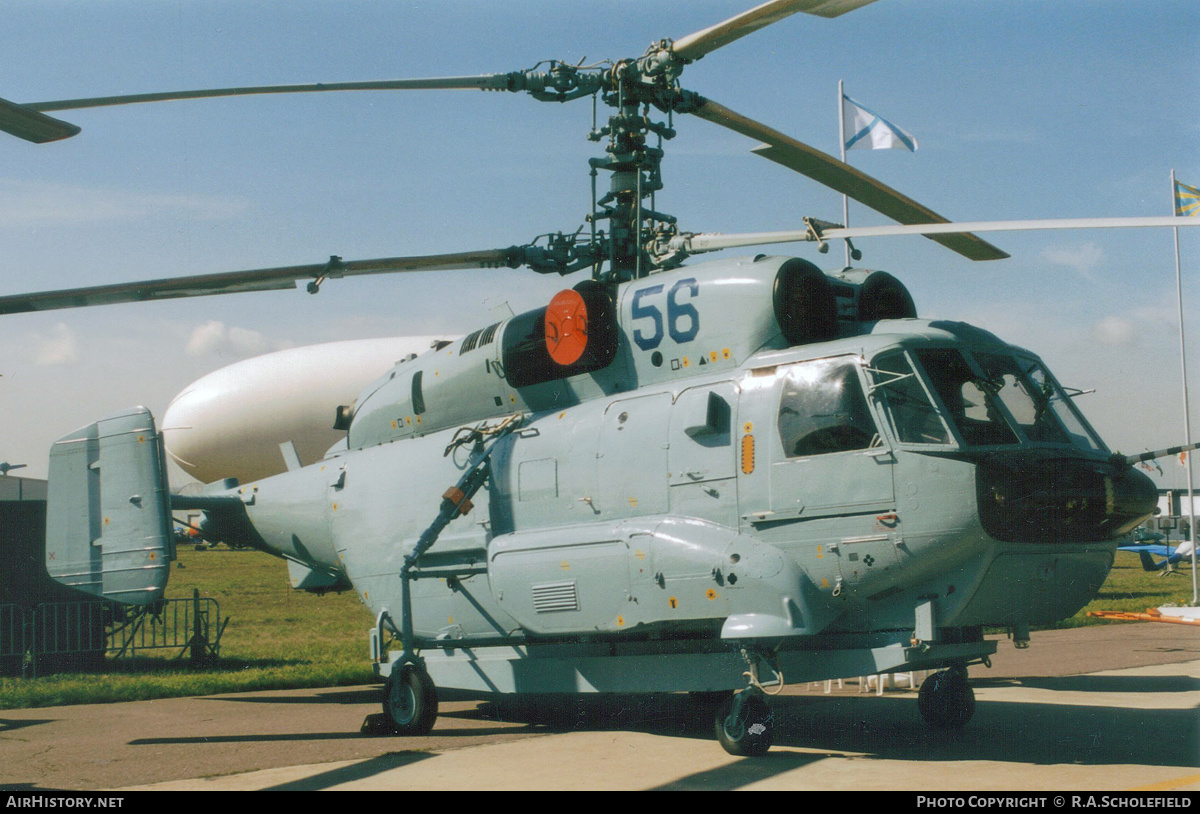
(626, 490)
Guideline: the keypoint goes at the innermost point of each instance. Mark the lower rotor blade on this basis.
(841, 177)
(713, 241)
(233, 282)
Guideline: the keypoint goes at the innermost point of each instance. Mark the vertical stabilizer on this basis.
(108, 514)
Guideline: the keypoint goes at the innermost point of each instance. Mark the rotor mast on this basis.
(631, 87)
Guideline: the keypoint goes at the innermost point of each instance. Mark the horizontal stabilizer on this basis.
(108, 516)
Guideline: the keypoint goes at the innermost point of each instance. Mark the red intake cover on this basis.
(566, 327)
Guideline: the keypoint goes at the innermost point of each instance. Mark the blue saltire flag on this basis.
(866, 130)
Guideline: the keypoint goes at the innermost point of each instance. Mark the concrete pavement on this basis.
(1045, 719)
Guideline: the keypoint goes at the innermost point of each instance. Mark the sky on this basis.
(1022, 110)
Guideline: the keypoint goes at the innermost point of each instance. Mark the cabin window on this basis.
(823, 409)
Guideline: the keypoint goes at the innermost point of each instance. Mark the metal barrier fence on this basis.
(55, 636)
(14, 638)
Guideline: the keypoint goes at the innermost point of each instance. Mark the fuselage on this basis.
(712, 477)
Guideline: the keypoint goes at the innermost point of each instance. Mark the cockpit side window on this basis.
(1058, 402)
(823, 409)
(914, 417)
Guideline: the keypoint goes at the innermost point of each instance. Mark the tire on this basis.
(946, 700)
(751, 733)
(410, 700)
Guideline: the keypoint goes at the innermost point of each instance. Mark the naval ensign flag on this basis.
(867, 131)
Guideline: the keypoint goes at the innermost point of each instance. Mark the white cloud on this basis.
(217, 338)
(59, 349)
(1081, 259)
(1115, 331)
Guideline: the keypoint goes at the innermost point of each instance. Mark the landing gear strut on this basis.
(946, 700)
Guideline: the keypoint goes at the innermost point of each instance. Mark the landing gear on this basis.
(946, 700)
(745, 724)
(410, 700)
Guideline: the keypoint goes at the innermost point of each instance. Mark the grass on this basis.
(278, 638)
(1132, 590)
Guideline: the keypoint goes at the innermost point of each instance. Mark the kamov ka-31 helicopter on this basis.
(673, 477)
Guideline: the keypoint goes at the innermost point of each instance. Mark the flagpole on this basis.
(842, 142)
(1187, 421)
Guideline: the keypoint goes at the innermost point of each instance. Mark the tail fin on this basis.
(108, 511)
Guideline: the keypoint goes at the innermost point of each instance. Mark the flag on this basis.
(1183, 456)
(1187, 200)
(867, 131)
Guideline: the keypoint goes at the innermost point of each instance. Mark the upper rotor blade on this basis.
(696, 45)
(841, 177)
(481, 82)
(28, 121)
(232, 282)
(31, 125)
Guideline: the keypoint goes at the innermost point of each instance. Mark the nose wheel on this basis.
(745, 724)
(946, 700)
(410, 700)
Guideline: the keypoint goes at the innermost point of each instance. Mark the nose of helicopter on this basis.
(1033, 496)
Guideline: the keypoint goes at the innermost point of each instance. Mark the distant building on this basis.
(14, 488)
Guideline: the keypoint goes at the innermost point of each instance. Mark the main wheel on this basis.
(749, 733)
(410, 700)
(946, 700)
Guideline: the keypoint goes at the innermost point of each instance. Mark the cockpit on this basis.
(1042, 473)
(932, 396)
(976, 398)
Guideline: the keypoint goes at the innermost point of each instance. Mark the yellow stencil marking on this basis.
(711, 594)
(747, 454)
(565, 566)
(673, 602)
(620, 621)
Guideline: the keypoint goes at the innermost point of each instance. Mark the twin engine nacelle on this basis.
(595, 340)
(812, 306)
